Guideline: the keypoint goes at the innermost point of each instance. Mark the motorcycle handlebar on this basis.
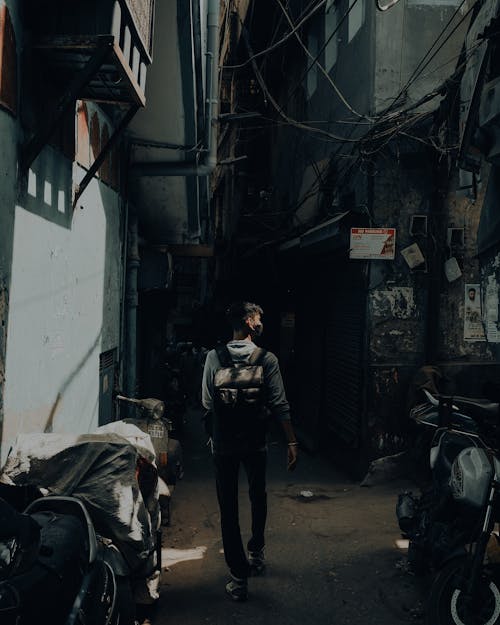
(154, 407)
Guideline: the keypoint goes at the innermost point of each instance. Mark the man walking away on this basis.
(241, 383)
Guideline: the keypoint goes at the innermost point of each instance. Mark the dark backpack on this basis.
(239, 389)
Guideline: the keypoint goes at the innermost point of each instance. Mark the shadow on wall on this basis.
(46, 190)
(71, 377)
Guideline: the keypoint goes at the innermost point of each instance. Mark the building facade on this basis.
(333, 122)
(74, 220)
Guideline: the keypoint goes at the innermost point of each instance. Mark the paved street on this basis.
(331, 556)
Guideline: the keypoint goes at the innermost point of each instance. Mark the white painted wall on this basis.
(62, 273)
(64, 302)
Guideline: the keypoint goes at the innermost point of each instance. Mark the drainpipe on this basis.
(206, 165)
(198, 55)
(123, 310)
(132, 301)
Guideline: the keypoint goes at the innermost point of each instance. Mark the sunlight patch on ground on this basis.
(169, 557)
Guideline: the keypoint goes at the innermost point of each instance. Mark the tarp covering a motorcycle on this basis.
(101, 470)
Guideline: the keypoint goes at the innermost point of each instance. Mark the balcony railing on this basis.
(68, 33)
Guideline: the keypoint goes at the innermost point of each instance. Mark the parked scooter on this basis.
(64, 573)
(466, 590)
(438, 523)
(98, 554)
(152, 420)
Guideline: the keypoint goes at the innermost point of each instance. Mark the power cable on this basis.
(398, 114)
(323, 47)
(373, 135)
(438, 49)
(458, 9)
(281, 41)
(276, 106)
(316, 63)
(419, 68)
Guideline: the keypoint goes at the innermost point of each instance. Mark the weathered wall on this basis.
(61, 269)
(467, 363)
(64, 306)
(299, 156)
(8, 154)
(397, 322)
(404, 34)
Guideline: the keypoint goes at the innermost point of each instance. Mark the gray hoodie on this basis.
(240, 352)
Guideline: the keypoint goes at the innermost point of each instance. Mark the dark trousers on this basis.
(226, 474)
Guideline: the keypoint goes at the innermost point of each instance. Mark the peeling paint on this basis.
(398, 302)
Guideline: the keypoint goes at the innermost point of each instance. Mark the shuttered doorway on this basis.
(344, 362)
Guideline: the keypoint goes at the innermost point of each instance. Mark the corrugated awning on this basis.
(317, 234)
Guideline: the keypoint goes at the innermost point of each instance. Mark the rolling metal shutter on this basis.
(344, 356)
(310, 336)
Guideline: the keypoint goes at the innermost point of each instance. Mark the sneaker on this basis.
(237, 589)
(257, 561)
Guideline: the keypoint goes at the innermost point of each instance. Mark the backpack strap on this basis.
(224, 356)
(257, 356)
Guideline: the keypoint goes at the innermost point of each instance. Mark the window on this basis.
(356, 17)
(331, 35)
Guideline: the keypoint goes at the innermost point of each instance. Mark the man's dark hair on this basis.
(239, 312)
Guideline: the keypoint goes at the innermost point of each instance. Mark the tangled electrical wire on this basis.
(369, 135)
(382, 128)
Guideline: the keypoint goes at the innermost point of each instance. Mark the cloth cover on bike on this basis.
(101, 470)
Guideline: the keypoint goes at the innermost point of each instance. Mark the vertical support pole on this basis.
(132, 302)
(104, 152)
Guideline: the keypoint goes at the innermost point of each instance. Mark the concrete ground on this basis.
(331, 556)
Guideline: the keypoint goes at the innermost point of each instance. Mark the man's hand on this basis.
(292, 456)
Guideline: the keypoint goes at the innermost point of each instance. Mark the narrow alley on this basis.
(331, 555)
(254, 207)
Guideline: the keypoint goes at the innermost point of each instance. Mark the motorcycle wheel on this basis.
(125, 605)
(447, 601)
(417, 559)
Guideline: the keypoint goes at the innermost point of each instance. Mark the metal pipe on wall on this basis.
(123, 309)
(132, 302)
(208, 160)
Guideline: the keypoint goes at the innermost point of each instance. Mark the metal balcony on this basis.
(95, 50)
(68, 34)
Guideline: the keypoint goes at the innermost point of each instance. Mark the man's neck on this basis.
(241, 336)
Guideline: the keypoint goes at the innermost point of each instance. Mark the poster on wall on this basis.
(473, 322)
(491, 310)
(373, 243)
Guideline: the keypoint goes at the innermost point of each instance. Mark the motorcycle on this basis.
(96, 556)
(466, 591)
(436, 522)
(151, 420)
(67, 575)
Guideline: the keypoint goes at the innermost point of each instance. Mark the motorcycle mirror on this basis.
(431, 398)
(385, 7)
(155, 408)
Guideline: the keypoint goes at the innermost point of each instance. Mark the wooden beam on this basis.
(104, 152)
(197, 251)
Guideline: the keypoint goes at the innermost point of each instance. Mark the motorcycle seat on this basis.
(477, 408)
(68, 506)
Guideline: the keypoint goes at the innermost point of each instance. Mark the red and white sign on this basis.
(373, 243)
